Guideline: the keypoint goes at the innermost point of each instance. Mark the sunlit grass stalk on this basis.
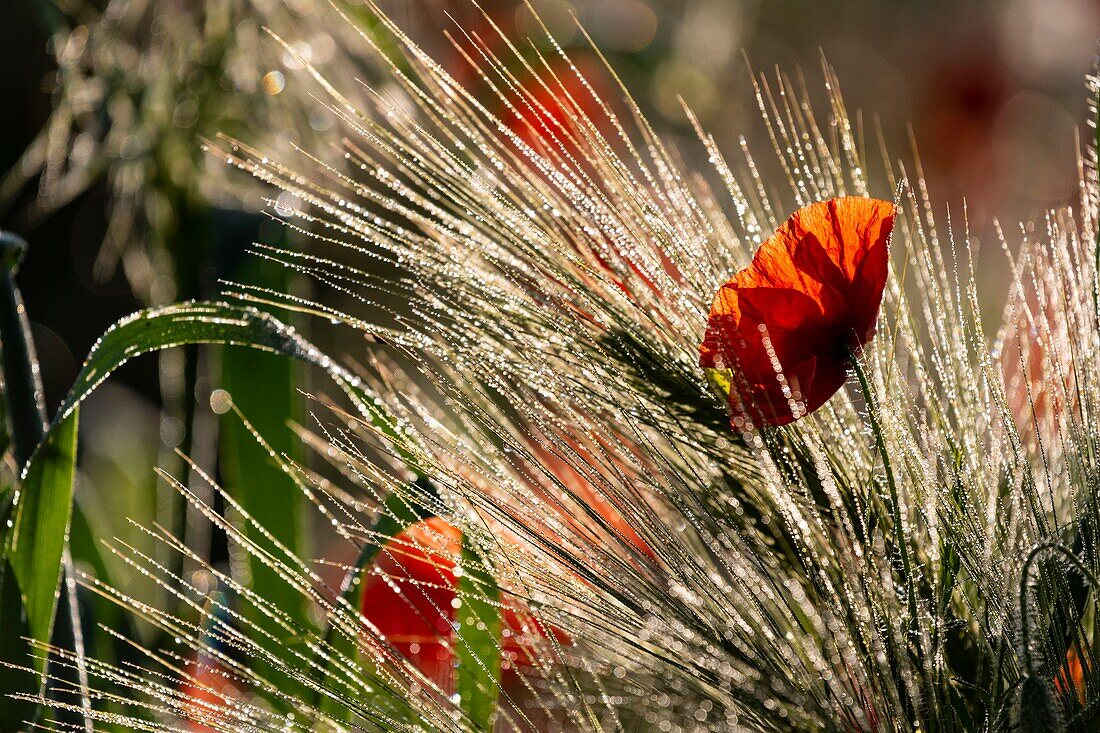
(895, 507)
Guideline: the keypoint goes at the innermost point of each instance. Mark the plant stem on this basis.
(895, 506)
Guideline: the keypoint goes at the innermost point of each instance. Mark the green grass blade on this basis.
(40, 525)
(227, 324)
(477, 647)
(263, 485)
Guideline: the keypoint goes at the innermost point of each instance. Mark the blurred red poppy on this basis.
(786, 326)
(206, 691)
(580, 486)
(556, 112)
(1070, 679)
(410, 599)
(1036, 370)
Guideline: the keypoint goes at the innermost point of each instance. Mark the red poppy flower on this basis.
(782, 332)
(410, 600)
(1036, 374)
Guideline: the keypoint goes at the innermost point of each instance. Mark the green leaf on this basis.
(228, 324)
(263, 484)
(32, 552)
(262, 389)
(477, 647)
(40, 526)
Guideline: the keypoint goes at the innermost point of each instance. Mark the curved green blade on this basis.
(30, 575)
(195, 322)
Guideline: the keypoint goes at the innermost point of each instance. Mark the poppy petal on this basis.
(409, 596)
(734, 338)
(771, 351)
(789, 322)
(870, 278)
